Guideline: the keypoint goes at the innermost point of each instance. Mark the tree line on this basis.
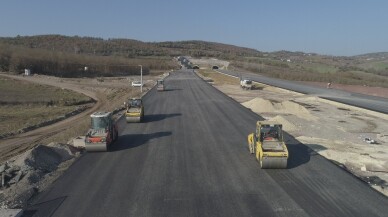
(128, 47)
(76, 56)
(14, 59)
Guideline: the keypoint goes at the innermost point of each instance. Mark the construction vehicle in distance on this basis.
(268, 145)
(246, 84)
(134, 110)
(160, 85)
(102, 133)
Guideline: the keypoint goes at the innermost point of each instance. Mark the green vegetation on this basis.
(24, 104)
(375, 67)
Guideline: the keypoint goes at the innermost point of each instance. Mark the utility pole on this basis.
(141, 78)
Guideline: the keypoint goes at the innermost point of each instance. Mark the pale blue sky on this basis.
(335, 27)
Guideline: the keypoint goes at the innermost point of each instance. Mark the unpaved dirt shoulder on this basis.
(334, 130)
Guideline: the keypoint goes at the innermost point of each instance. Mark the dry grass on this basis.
(24, 104)
(315, 72)
(15, 117)
(79, 129)
(16, 92)
(218, 78)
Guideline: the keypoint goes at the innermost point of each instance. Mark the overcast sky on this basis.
(334, 27)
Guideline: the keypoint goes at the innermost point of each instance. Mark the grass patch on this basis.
(13, 92)
(23, 104)
(317, 67)
(323, 71)
(15, 117)
(219, 78)
(381, 65)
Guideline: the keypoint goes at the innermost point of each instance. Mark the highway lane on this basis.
(190, 158)
(374, 103)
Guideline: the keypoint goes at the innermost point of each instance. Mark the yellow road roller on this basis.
(268, 145)
(134, 110)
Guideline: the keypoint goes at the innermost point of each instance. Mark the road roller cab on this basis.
(102, 133)
(268, 145)
(134, 110)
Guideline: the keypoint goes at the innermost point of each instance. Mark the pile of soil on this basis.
(30, 172)
(259, 105)
(287, 126)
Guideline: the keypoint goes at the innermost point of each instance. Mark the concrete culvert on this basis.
(215, 67)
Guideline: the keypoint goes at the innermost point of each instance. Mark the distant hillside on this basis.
(369, 69)
(378, 55)
(67, 56)
(127, 47)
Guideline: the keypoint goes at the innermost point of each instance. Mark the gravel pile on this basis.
(287, 126)
(259, 105)
(22, 177)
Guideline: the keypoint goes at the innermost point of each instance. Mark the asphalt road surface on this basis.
(190, 158)
(374, 103)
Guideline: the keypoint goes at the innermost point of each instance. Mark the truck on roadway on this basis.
(268, 145)
(103, 132)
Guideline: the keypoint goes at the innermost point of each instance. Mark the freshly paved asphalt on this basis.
(374, 103)
(190, 158)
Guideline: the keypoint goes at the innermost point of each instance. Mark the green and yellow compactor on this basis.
(268, 145)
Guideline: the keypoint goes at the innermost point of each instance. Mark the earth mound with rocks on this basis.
(25, 175)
